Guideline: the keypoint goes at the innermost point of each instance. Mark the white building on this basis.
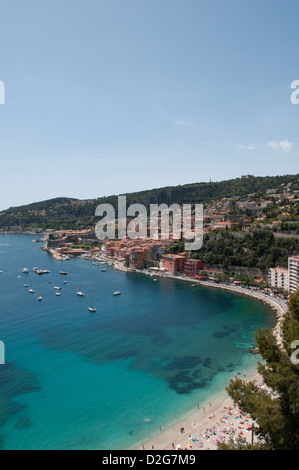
(279, 278)
(293, 273)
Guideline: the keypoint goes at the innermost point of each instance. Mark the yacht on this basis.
(25, 271)
(81, 294)
(26, 285)
(117, 292)
(39, 298)
(31, 291)
(58, 293)
(92, 309)
(57, 288)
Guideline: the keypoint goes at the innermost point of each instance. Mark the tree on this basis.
(276, 414)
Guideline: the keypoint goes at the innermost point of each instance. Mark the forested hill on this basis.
(65, 213)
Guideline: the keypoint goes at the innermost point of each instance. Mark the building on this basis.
(173, 263)
(293, 274)
(279, 278)
(192, 266)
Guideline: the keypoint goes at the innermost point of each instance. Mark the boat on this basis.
(117, 292)
(64, 282)
(57, 288)
(41, 271)
(92, 309)
(25, 271)
(58, 293)
(39, 298)
(81, 294)
(31, 291)
(26, 285)
(103, 270)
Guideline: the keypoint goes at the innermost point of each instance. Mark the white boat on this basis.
(117, 292)
(81, 294)
(92, 309)
(31, 291)
(25, 271)
(26, 285)
(39, 298)
(58, 293)
(64, 282)
(57, 288)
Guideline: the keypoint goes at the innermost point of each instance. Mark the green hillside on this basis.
(66, 213)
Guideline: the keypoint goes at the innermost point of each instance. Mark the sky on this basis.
(107, 97)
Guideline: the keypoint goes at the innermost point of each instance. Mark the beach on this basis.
(219, 419)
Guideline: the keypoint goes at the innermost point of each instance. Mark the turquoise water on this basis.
(106, 380)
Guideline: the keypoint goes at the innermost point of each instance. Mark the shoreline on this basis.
(213, 420)
(220, 419)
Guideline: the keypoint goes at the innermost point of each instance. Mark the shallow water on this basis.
(80, 380)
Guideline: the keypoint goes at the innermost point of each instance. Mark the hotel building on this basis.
(279, 278)
(293, 274)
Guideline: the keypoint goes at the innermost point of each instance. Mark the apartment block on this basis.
(173, 263)
(279, 278)
(192, 266)
(293, 274)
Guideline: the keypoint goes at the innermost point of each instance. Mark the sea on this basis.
(75, 379)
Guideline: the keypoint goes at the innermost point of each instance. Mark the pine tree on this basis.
(276, 413)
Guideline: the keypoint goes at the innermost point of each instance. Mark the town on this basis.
(275, 215)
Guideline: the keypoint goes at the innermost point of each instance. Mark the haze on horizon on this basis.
(112, 97)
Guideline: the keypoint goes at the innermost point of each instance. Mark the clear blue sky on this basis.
(110, 96)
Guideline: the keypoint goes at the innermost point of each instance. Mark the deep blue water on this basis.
(106, 380)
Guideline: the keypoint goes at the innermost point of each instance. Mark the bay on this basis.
(74, 379)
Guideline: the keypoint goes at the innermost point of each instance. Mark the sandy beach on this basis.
(220, 419)
(203, 427)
